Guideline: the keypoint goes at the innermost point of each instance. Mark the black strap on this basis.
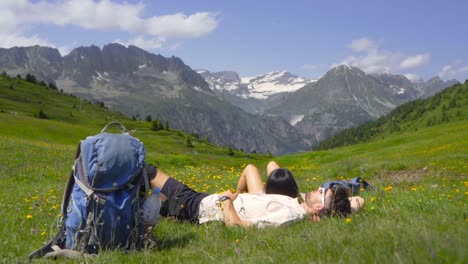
(70, 184)
(59, 237)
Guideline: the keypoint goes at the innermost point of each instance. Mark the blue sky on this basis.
(419, 39)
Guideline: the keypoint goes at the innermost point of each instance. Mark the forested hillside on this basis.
(447, 105)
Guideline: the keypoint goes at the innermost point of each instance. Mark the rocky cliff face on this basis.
(267, 113)
(433, 86)
(44, 62)
(344, 97)
(137, 83)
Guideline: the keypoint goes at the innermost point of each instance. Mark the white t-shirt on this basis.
(259, 209)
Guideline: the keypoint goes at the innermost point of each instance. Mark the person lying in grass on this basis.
(246, 209)
(281, 181)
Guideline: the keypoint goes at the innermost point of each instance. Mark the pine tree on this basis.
(42, 115)
(188, 142)
(52, 86)
(156, 125)
(31, 78)
(230, 152)
(166, 126)
(159, 124)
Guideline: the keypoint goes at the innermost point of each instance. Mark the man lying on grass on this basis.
(281, 181)
(246, 209)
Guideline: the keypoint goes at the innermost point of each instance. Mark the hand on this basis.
(315, 218)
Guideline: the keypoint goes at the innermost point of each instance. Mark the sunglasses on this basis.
(324, 193)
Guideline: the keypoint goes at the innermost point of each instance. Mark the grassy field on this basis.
(417, 214)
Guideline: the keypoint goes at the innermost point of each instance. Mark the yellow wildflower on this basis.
(348, 220)
(372, 199)
(28, 216)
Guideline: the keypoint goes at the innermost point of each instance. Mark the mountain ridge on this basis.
(446, 106)
(344, 97)
(140, 84)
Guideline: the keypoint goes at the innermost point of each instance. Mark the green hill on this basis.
(418, 212)
(67, 119)
(448, 105)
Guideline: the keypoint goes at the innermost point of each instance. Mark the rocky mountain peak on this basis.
(45, 62)
(345, 69)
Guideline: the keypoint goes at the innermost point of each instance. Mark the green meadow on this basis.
(417, 212)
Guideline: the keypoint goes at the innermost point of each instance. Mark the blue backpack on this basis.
(101, 207)
(355, 185)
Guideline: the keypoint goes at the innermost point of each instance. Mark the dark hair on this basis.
(281, 181)
(339, 205)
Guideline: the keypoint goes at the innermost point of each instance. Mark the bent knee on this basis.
(357, 204)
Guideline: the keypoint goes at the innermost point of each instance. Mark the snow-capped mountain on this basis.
(137, 83)
(264, 86)
(259, 87)
(253, 94)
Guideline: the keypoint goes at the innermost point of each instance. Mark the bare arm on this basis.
(231, 218)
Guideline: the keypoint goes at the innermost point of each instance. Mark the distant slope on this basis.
(446, 106)
(344, 97)
(67, 119)
(140, 84)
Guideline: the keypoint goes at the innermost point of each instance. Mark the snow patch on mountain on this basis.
(263, 86)
(258, 87)
(296, 119)
(102, 78)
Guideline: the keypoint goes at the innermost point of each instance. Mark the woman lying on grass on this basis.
(246, 209)
(281, 181)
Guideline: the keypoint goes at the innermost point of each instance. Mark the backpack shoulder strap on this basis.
(59, 238)
(69, 186)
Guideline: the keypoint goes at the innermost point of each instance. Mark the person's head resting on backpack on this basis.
(329, 202)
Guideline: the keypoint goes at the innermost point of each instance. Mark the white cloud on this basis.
(415, 61)
(12, 40)
(362, 44)
(19, 16)
(457, 70)
(369, 57)
(144, 43)
(413, 77)
(175, 46)
(180, 25)
(64, 50)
